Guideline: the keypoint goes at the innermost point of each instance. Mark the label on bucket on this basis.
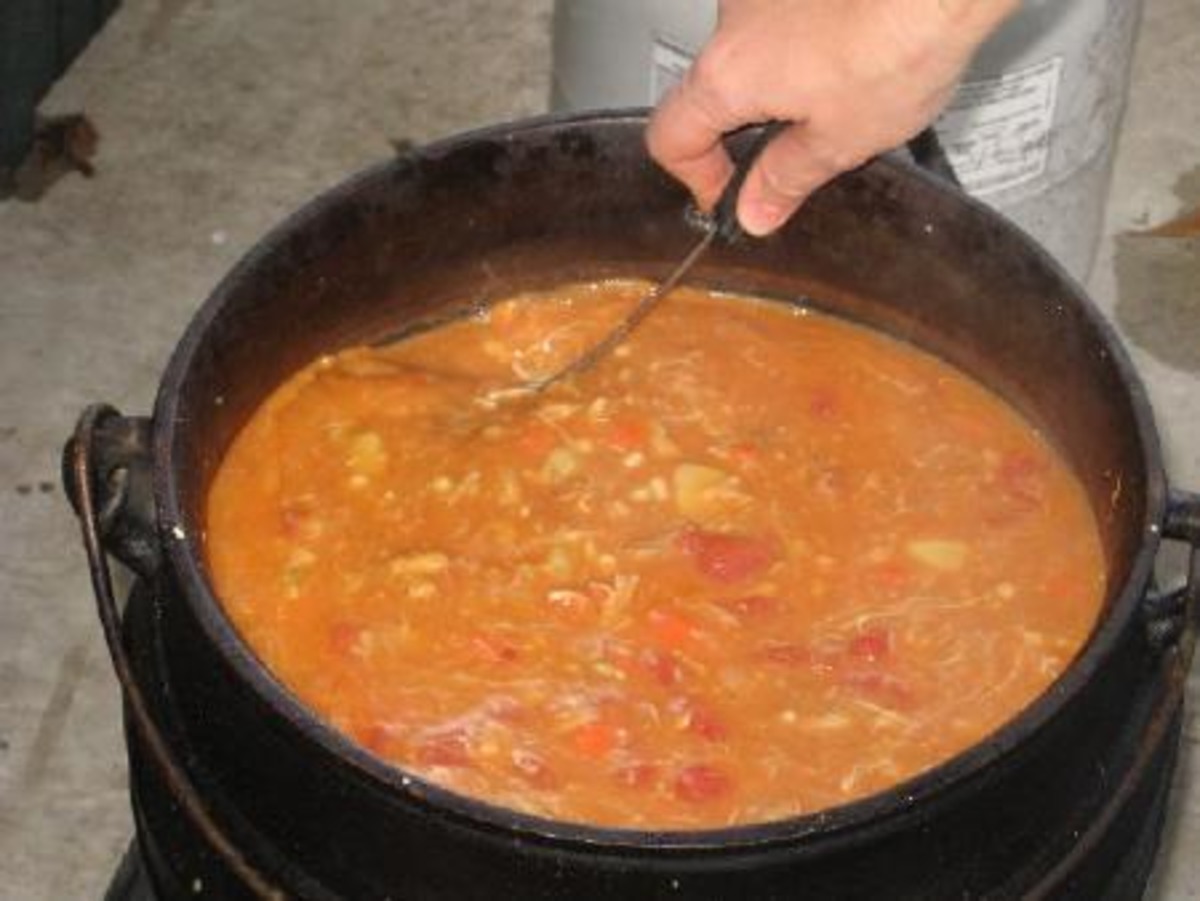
(997, 131)
(668, 62)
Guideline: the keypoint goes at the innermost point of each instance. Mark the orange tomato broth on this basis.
(759, 562)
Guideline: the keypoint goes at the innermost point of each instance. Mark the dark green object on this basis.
(39, 39)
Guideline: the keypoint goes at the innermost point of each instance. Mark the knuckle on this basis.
(719, 57)
(711, 82)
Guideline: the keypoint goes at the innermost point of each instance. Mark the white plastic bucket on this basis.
(1031, 130)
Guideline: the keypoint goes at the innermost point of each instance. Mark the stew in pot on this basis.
(759, 562)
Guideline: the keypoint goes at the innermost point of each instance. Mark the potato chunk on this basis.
(938, 553)
(704, 494)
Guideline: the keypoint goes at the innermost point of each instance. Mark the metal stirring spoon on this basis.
(722, 222)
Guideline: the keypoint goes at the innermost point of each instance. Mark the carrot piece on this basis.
(671, 630)
(744, 453)
(891, 574)
(627, 434)
(537, 439)
(595, 739)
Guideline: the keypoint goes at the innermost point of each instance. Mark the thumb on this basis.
(787, 171)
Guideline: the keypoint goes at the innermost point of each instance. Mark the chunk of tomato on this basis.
(449, 749)
(671, 630)
(705, 723)
(726, 557)
(871, 645)
(701, 782)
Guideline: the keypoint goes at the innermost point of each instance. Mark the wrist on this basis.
(974, 20)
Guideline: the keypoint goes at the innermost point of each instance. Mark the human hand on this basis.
(855, 77)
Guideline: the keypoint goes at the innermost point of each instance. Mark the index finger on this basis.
(684, 137)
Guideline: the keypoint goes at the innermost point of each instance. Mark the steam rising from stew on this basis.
(758, 563)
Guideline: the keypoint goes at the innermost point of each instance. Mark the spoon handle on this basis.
(724, 215)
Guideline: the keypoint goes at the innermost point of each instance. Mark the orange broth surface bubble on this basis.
(757, 563)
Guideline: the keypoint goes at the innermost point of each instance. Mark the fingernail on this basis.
(761, 218)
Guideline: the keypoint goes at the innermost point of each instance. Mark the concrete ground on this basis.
(216, 119)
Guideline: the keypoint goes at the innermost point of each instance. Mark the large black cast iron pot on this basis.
(238, 790)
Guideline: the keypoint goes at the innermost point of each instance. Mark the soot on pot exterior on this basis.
(238, 791)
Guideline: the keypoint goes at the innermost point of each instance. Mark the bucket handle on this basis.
(101, 503)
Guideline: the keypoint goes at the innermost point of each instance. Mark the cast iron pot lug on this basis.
(1183, 517)
(1171, 617)
(928, 153)
(121, 478)
(107, 471)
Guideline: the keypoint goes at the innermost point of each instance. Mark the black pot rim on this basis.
(886, 809)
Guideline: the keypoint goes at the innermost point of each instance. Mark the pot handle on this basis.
(928, 153)
(1173, 617)
(107, 471)
(118, 451)
(1171, 621)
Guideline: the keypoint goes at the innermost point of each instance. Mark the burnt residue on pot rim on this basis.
(912, 798)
